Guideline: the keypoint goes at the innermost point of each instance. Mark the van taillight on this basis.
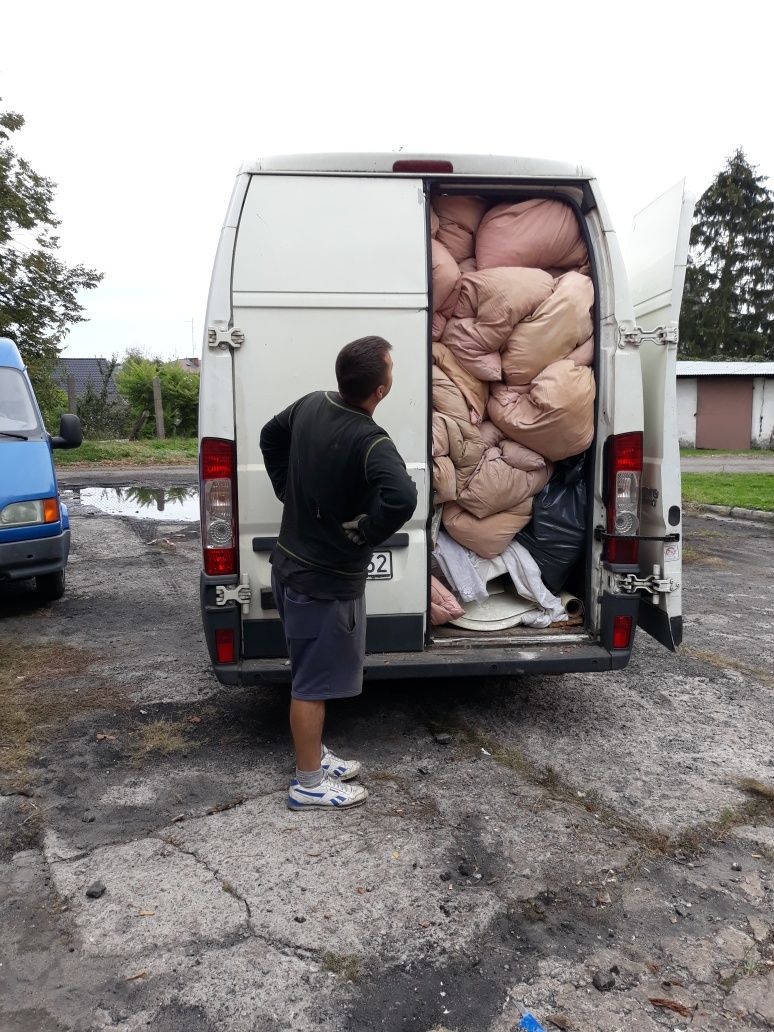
(225, 646)
(622, 632)
(217, 490)
(623, 480)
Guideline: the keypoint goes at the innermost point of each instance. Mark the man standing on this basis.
(344, 489)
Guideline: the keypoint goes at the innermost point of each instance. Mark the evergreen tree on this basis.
(728, 306)
(38, 291)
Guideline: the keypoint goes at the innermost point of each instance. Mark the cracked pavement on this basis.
(583, 846)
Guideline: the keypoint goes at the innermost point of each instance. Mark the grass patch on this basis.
(726, 663)
(37, 698)
(746, 490)
(175, 451)
(759, 808)
(161, 736)
(557, 789)
(751, 965)
(691, 843)
(709, 452)
(758, 789)
(693, 555)
(345, 965)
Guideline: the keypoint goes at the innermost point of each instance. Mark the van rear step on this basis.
(454, 661)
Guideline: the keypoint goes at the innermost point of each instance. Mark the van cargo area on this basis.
(536, 416)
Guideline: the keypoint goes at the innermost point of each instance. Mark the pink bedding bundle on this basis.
(490, 434)
(447, 281)
(513, 390)
(458, 220)
(489, 307)
(503, 479)
(539, 234)
(552, 331)
(475, 392)
(488, 536)
(444, 476)
(555, 417)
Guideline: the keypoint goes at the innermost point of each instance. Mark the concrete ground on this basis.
(751, 462)
(598, 849)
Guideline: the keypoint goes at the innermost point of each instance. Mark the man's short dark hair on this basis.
(361, 366)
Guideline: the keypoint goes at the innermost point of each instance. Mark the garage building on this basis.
(728, 405)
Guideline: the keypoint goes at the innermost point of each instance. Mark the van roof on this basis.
(381, 162)
(688, 368)
(9, 354)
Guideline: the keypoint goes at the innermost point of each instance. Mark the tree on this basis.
(38, 291)
(728, 306)
(179, 392)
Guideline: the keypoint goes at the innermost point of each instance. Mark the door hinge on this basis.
(222, 337)
(241, 593)
(654, 584)
(633, 336)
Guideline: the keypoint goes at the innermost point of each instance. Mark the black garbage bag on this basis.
(556, 535)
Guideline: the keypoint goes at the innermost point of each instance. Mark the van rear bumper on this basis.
(34, 557)
(445, 662)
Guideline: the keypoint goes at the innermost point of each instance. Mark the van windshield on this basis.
(17, 411)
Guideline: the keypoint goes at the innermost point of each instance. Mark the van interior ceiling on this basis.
(513, 339)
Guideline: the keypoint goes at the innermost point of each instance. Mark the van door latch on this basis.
(241, 593)
(222, 337)
(633, 336)
(600, 534)
(655, 584)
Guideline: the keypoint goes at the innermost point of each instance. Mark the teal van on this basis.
(34, 525)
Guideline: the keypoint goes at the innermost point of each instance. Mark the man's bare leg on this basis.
(307, 717)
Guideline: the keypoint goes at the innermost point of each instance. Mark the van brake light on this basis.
(623, 482)
(419, 165)
(217, 491)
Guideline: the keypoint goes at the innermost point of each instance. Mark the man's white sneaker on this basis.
(344, 770)
(330, 792)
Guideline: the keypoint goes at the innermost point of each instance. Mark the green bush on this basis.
(179, 394)
(104, 416)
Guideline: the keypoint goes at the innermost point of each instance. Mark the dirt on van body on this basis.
(595, 849)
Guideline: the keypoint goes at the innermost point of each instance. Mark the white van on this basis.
(319, 249)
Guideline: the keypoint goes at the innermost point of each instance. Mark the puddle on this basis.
(176, 504)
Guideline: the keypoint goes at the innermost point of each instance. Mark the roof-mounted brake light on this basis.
(422, 165)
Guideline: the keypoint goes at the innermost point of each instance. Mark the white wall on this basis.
(763, 411)
(686, 410)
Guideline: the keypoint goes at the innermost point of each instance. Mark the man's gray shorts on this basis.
(326, 643)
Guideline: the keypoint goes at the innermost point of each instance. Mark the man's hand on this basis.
(352, 529)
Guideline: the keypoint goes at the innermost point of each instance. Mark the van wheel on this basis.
(51, 586)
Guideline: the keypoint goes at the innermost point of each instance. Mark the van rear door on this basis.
(321, 260)
(658, 255)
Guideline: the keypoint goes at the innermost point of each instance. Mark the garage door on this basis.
(724, 412)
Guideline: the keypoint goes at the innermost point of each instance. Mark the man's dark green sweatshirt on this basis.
(329, 462)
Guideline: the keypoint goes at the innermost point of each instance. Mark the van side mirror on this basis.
(70, 433)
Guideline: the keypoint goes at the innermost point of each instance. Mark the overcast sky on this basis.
(143, 113)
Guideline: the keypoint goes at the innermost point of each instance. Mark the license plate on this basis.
(380, 567)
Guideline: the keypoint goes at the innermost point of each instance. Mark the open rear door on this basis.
(658, 257)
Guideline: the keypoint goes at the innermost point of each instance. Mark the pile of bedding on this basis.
(513, 390)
